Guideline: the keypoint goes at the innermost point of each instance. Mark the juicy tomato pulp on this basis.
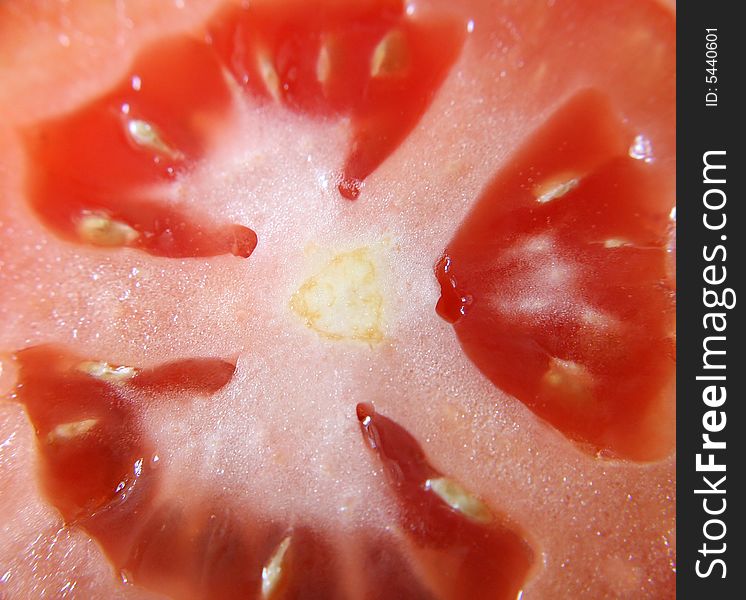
(573, 237)
(100, 471)
(556, 283)
(97, 168)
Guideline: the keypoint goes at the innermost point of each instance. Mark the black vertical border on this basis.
(701, 128)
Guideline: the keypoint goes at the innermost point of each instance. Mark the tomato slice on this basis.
(557, 287)
(127, 231)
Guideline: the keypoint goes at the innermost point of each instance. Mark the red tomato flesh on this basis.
(198, 325)
(573, 237)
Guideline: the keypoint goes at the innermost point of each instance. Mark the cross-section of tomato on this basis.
(181, 419)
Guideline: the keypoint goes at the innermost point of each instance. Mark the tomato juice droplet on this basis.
(350, 188)
(565, 258)
(453, 301)
(468, 549)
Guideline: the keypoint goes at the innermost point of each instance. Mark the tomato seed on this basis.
(272, 571)
(145, 135)
(107, 372)
(391, 56)
(552, 190)
(66, 431)
(459, 499)
(101, 230)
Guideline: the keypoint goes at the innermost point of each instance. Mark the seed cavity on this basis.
(391, 57)
(555, 188)
(105, 371)
(100, 229)
(343, 301)
(69, 431)
(272, 571)
(146, 135)
(459, 499)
